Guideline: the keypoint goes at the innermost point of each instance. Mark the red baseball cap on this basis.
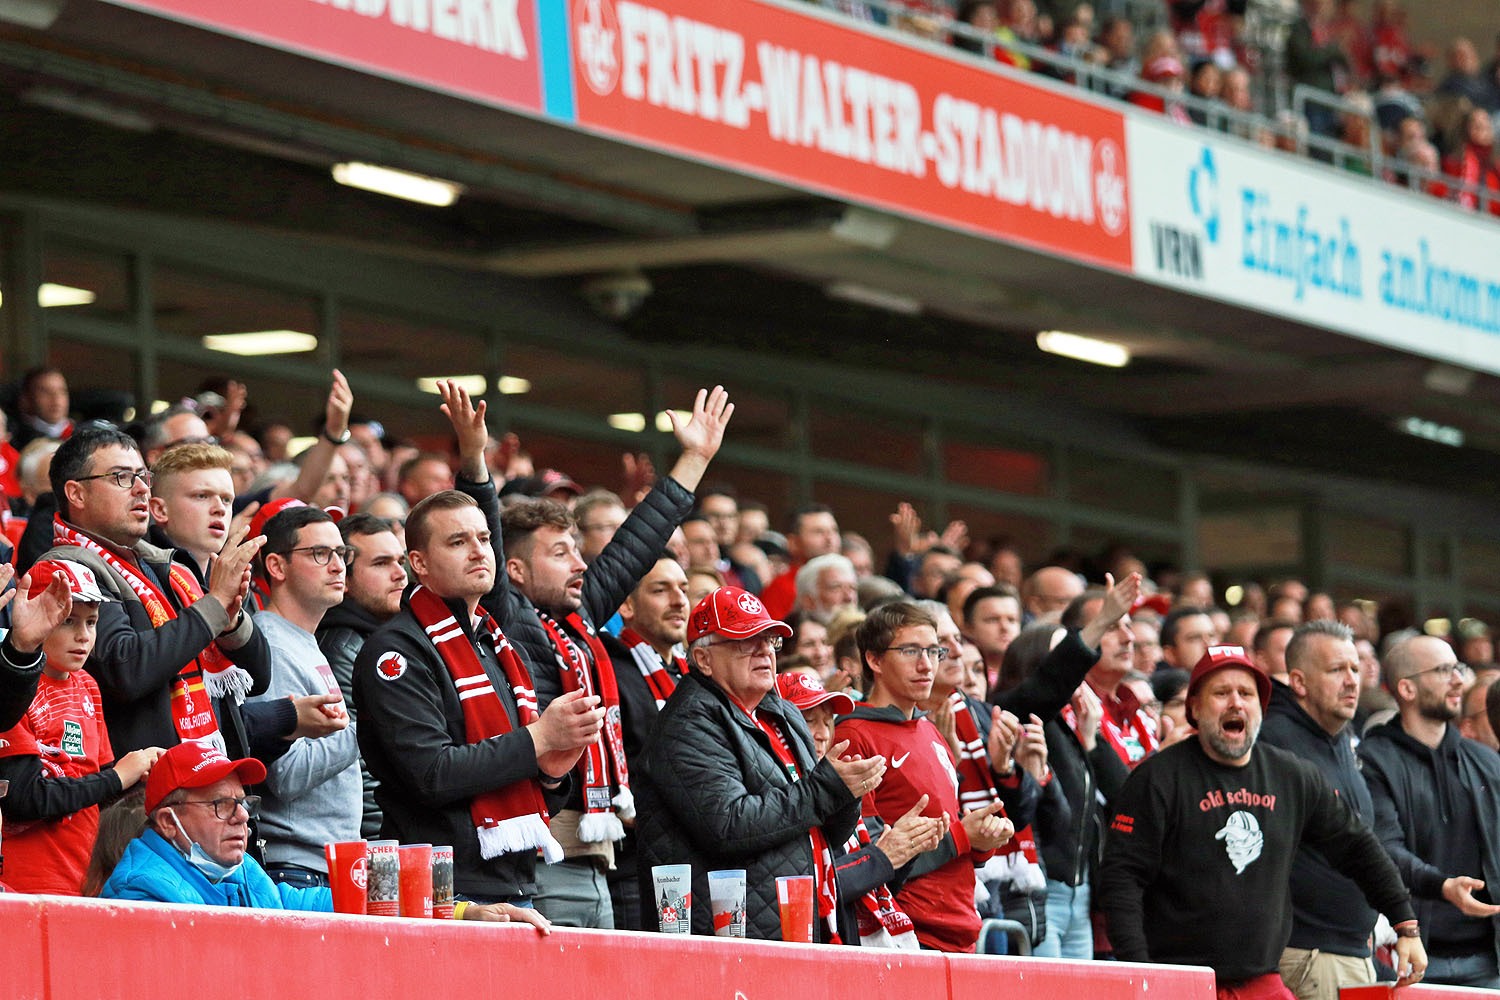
(82, 584)
(194, 765)
(805, 691)
(1218, 658)
(735, 613)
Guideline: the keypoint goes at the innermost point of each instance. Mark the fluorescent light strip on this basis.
(261, 342)
(51, 296)
(511, 385)
(1081, 348)
(633, 422)
(474, 385)
(398, 183)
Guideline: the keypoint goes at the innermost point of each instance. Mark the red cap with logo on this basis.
(268, 511)
(735, 613)
(1218, 658)
(194, 765)
(805, 691)
(82, 584)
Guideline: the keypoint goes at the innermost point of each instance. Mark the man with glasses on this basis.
(730, 777)
(374, 581)
(1436, 811)
(313, 792)
(173, 655)
(901, 658)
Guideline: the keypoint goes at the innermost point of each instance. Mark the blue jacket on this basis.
(155, 870)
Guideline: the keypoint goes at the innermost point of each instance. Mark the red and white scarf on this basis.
(825, 880)
(1125, 726)
(512, 818)
(877, 908)
(605, 756)
(658, 678)
(1016, 860)
(209, 675)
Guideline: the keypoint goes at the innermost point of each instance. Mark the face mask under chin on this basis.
(195, 856)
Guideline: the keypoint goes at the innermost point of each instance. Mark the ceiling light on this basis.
(1081, 348)
(1431, 430)
(474, 385)
(1439, 627)
(1233, 595)
(297, 445)
(158, 405)
(511, 385)
(863, 228)
(397, 183)
(1450, 380)
(258, 342)
(634, 422)
(664, 422)
(875, 298)
(50, 296)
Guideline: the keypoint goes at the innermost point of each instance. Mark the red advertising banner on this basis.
(790, 96)
(483, 49)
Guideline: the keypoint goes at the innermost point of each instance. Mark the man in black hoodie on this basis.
(1436, 812)
(1331, 921)
(375, 581)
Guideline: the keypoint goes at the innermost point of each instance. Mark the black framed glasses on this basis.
(320, 554)
(937, 654)
(228, 807)
(124, 478)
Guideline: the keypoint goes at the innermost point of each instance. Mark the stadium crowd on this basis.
(220, 658)
(1432, 113)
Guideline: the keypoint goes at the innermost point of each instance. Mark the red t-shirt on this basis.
(940, 903)
(64, 727)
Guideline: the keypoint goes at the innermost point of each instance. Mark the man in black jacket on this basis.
(1331, 921)
(374, 583)
(439, 775)
(730, 778)
(1198, 863)
(562, 602)
(171, 656)
(1436, 811)
(648, 666)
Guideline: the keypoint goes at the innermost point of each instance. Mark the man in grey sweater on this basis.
(312, 795)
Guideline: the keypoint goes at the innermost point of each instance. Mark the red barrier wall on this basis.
(56, 949)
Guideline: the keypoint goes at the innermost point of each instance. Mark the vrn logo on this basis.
(1179, 252)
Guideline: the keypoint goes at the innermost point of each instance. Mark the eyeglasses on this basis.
(1451, 669)
(124, 478)
(227, 808)
(752, 645)
(320, 554)
(937, 654)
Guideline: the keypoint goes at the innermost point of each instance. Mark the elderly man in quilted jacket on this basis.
(730, 779)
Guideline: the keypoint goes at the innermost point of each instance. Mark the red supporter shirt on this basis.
(64, 727)
(940, 903)
(780, 595)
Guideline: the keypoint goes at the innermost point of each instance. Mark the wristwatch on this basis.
(341, 439)
(1408, 928)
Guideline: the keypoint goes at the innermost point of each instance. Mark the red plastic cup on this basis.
(442, 883)
(416, 880)
(383, 868)
(347, 875)
(794, 894)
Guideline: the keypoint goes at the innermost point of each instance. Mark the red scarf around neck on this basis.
(208, 675)
(976, 783)
(658, 678)
(512, 818)
(599, 822)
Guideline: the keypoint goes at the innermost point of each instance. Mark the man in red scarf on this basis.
(449, 724)
(173, 657)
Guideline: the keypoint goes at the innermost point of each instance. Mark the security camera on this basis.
(616, 296)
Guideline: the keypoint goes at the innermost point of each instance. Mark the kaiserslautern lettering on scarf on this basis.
(650, 663)
(209, 675)
(599, 822)
(513, 818)
(877, 908)
(1015, 861)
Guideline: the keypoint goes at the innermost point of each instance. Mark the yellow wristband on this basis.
(459, 906)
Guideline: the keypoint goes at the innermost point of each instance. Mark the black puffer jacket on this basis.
(18, 682)
(341, 635)
(413, 738)
(711, 793)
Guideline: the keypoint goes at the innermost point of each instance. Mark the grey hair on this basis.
(807, 576)
(1303, 634)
